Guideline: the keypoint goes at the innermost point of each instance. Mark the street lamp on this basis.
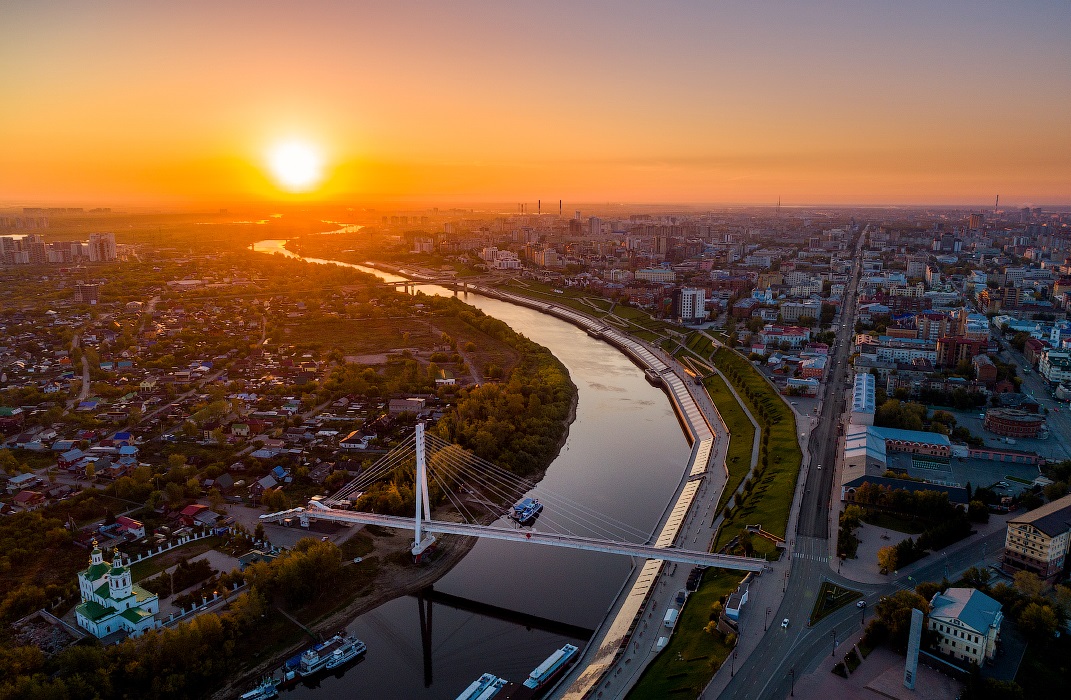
(833, 651)
(792, 676)
(765, 625)
(784, 585)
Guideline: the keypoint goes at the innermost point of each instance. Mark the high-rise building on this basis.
(86, 293)
(595, 226)
(102, 247)
(689, 305)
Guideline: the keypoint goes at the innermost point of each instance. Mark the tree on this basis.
(258, 533)
(175, 494)
(1056, 490)
(978, 512)
(215, 499)
(977, 578)
(887, 558)
(1028, 583)
(1038, 622)
(8, 463)
(893, 617)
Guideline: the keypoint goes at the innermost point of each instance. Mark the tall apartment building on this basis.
(1038, 541)
(689, 304)
(86, 293)
(102, 247)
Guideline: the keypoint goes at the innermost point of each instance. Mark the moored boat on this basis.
(552, 668)
(347, 652)
(268, 688)
(314, 659)
(485, 687)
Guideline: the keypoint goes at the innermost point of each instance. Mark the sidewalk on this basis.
(766, 592)
(880, 675)
(864, 568)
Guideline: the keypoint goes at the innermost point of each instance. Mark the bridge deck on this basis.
(590, 544)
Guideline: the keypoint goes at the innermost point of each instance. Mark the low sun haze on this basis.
(823, 102)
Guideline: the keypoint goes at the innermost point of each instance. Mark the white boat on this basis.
(347, 652)
(484, 688)
(314, 659)
(268, 688)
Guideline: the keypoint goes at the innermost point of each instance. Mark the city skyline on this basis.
(850, 104)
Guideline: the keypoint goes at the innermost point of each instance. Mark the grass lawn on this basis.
(830, 598)
(1019, 480)
(891, 521)
(770, 500)
(741, 431)
(700, 345)
(693, 655)
(148, 567)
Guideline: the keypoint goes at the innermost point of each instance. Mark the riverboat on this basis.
(552, 668)
(345, 653)
(268, 688)
(314, 659)
(485, 687)
(526, 511)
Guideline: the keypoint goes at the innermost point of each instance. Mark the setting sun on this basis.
(297, 166)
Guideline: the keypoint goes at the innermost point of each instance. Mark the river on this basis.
(624, 457)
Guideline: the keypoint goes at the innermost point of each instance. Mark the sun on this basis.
(296, 165)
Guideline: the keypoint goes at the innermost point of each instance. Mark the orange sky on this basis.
(821, 102)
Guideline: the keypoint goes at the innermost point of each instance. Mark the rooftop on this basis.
(1052, 518)
(971, 607)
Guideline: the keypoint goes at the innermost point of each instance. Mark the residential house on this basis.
(133, 529)
(258, 487)
(188, 515)
(28, 500)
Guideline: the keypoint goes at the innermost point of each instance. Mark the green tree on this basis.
(1038, 622)
(1028, 584)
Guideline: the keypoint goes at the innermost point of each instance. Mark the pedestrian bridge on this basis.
(477, 489)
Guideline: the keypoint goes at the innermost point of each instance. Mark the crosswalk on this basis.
(810, 556)
(811, 549)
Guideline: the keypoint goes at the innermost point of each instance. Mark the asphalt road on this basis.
(814, 509)
(782, 650)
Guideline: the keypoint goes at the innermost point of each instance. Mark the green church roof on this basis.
(135, 615)
(94, 611)
(96, 571)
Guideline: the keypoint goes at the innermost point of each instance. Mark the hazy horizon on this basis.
(833, 103)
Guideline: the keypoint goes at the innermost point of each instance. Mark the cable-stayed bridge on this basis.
(476, 489)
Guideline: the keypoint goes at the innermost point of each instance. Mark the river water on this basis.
(624, 457)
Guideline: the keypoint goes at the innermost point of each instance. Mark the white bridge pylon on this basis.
(422, 523)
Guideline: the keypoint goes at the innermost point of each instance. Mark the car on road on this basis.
(819, 466)
(795, 403)
(861, 604)
(784, 623)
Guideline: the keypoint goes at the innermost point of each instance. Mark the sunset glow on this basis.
(296, 165)
(914, 102)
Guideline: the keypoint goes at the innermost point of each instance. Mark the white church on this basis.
(111, 602)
